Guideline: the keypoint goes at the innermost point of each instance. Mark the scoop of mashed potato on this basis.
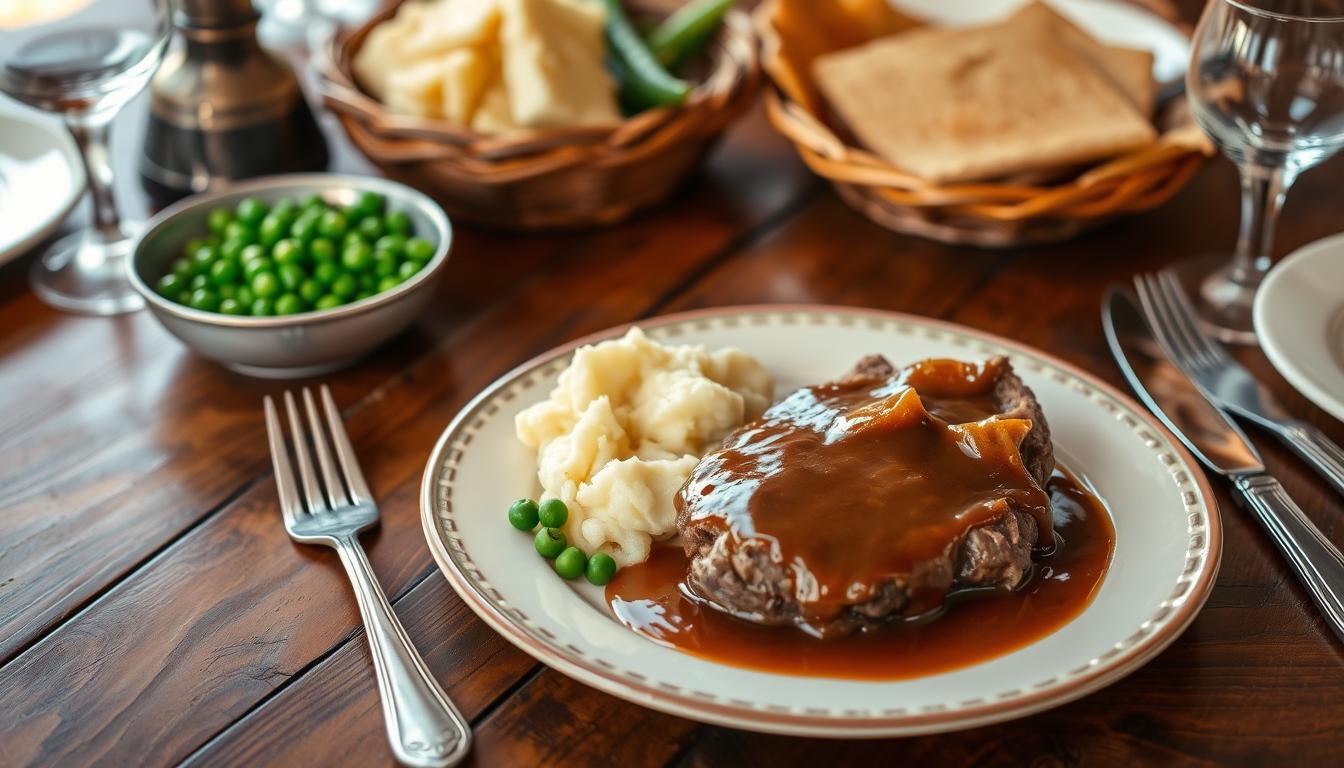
(624, 427)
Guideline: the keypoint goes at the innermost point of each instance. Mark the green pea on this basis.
(305, 227)
(367, 281)
(388, 283)
(183, 297)
(554, 513)
(204, 299)
(286, 210)
(357, 257)
(169, 285)
(419, 249)
(550, 542)
(397, 222)
(326, 272)
(183, 268)
(227, 291)
(392, 243)
(311, 201)
(332, 224)
(370, 203)
(343, 286)
(230, 307)
(288, 251)
(193, 245)
(262, 308)
(385, 264)
(571, 563)
(251, 211)
(407, 268)
(351, 237)
(237, 230)
(225, 272)
(352, 214)
(251, 252)
(601, 569)
(371, 228)
(322, 249)
(218, 219)
(523, 514)
(362, 295)
(265, 285)
(245, 296)
(327, 302)
(288, 304)
(272, 229)
(256, 266)
(291, 276)
(198, 282)
(310, 291)
(202, 257)
(232, 249)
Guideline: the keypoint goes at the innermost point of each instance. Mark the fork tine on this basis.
(1209, 350)
(345, 452)
(1154, 308)
(335, 490)
(290, 505)
(311, 491)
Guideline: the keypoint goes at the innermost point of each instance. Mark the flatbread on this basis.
(974, 103)
(1129, 69)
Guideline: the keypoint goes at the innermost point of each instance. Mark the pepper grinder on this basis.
(222, 108)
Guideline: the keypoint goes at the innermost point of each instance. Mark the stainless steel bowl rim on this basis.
(323, 180)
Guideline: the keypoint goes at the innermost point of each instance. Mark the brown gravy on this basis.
(865, 479)
(651, 599)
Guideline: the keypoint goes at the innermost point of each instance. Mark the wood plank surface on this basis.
(152, 610)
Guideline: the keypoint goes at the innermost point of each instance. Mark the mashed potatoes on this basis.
(625, 426)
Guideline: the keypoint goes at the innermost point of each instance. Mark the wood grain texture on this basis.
(232, 609)
(153, 611)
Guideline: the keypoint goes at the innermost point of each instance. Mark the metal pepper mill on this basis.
(222, 108)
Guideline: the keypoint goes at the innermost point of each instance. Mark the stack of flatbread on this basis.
(1021, 96)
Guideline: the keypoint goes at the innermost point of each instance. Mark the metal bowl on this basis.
(288, 346)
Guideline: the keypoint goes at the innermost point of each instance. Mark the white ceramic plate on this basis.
(1110, 21)
(1168, 540)
(1299, 319)
(41, 179)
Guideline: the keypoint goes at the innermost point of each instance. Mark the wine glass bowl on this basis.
(1266, 82)
(83, 60)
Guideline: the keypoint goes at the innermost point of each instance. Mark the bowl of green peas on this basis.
(294, 275)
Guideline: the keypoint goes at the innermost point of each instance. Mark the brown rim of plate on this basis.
(1054, 692)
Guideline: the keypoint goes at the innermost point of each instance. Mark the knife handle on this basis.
(1318, 563)
(1317, 450)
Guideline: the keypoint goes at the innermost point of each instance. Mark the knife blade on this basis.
(1223, 448)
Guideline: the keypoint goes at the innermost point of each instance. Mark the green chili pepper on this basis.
(686, 32)
(643, 79)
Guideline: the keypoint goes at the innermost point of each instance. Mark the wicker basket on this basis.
(990, 214)
(549, 179)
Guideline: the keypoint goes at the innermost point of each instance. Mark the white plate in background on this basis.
(1299, 319)
(1110, 21)
(1167, 548)
(41, 178)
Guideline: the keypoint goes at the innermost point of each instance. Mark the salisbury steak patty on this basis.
(746, 575)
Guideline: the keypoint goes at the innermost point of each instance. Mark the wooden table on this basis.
(152, 610)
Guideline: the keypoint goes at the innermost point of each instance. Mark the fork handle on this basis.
(1318, 563)
(1316, 449)
(423, 726)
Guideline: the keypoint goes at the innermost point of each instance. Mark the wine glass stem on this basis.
(1262, 191)
(91, 136)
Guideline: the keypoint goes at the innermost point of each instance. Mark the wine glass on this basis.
(1266, 82)
(83, 60)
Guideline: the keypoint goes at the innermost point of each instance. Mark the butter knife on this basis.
(1222, 447)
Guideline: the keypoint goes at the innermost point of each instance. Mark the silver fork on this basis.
(1225, 381)
(423, 726)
